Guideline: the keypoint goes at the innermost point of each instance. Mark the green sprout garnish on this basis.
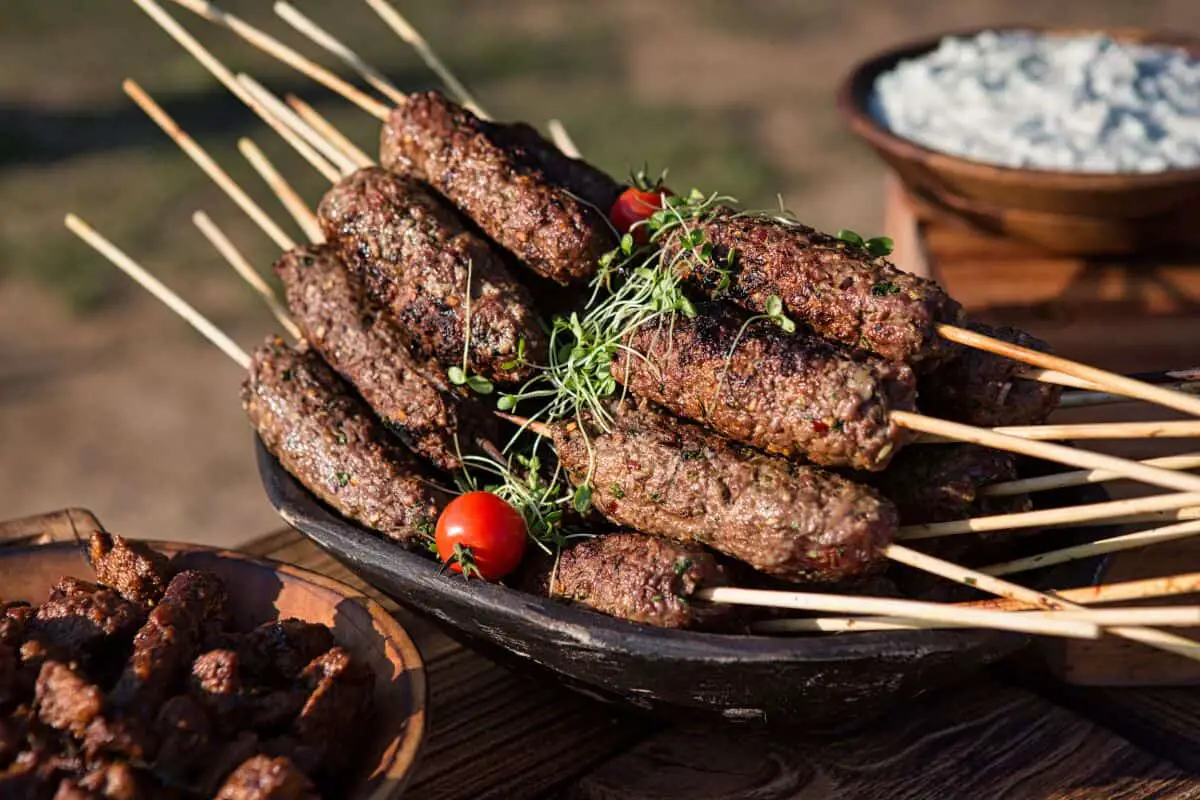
(878, 246)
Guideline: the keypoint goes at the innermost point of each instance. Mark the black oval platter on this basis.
(820, 682)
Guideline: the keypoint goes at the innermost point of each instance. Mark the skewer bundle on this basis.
(738, 383)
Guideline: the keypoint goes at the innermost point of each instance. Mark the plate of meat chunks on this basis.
(169, 671)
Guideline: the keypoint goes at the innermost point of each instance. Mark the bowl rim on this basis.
(856, 86)
(413, 737)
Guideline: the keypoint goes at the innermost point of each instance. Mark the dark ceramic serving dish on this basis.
(814, 681)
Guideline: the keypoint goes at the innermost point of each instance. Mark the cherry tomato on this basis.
(490, 527)
(635, 205)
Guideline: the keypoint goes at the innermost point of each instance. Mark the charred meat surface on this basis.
(979, 388)
(547, 210)
(331, 442)
(413, 397)
(938, 483)
(80, 617)
(795, 395)
(639, 578)
(167, 643)
(339, 693)
(263, 778)
(415, 258)
(133, 569)
(283, 649)
(670, 478)
(66, 701)
(837, 289)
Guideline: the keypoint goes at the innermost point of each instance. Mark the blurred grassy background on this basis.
(108, 402)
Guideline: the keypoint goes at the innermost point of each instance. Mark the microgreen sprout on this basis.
(774, 313)
(460, 376)
(878, 246)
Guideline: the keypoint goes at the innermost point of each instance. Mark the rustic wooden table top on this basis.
(1013, 732)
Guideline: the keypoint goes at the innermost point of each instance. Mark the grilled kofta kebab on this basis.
(411, 396)
(545, 208)
(329, 440)
(796, 395)
(666, 477)
(416, 257)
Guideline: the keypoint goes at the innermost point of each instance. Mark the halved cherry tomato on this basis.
(635, 205)
(492, 529)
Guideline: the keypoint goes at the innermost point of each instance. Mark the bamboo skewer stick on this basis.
(326, 129)
(1104, 380)
(1013, 591)
(156, 288)
(1113, 544)
(300, 212)
(326, 158)
(210, 167)
(1063, 480)
(1168, 616)
(409, 34)
(1087, 399)
(242, 267)
(1048, 517)
(1176, 515)
(264, 42)
(1025, 622)
(1048, 451)
(562, 140)
(1167, 429)
(323, 39)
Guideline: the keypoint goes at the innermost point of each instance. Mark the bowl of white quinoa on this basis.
(1084, 141)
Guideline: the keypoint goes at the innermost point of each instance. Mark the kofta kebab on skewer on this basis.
(1115, 463)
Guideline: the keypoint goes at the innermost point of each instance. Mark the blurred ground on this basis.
(109, 402)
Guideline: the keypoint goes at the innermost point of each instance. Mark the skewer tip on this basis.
(540, 428)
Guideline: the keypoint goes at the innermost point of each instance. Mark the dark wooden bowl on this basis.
(262, 591)
(1065, 212)
(818, 682)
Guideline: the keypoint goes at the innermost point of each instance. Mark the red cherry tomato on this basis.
(635, 205)
(493, 529)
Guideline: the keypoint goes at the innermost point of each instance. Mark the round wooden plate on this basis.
(819, 682)
(261, 591)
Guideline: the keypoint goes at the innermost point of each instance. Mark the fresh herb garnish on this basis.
(460, 376)
(884, 288)
(877, 246)
(342, 478)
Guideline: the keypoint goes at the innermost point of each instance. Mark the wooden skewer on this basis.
(326, 158)
(242, 266)
(562, 140)
(1062, 480)
(1104, 380)
(409, 34)
(300, 212)
(327, 130)
(1173, 429)
(1113, 544)
(1048, 451)
(322, 38)
(1013, 591)
(266, 43)
(1148, 517)
(210, 167)
(1168, 616)
(1048, 517)
(156, 288)
(1024, 621)
(1087, 399)
(1148, 588)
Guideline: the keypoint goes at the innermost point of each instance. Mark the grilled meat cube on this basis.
(838, 289)
(120, 738)
(413, 397)
(225, 758)
(546, 209)
(338, 702)
(185, 736)
(135, 571)
(639, 578)
(66, 701)
(117, 781)
(282, 649)
(263, 778)
(216, 684)
(795, 395)
(414, 256)
(979, 388)
(330, 442)
(937, 483)
(14, 621)
(164, 647)
(80, 617)
(670, 478)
